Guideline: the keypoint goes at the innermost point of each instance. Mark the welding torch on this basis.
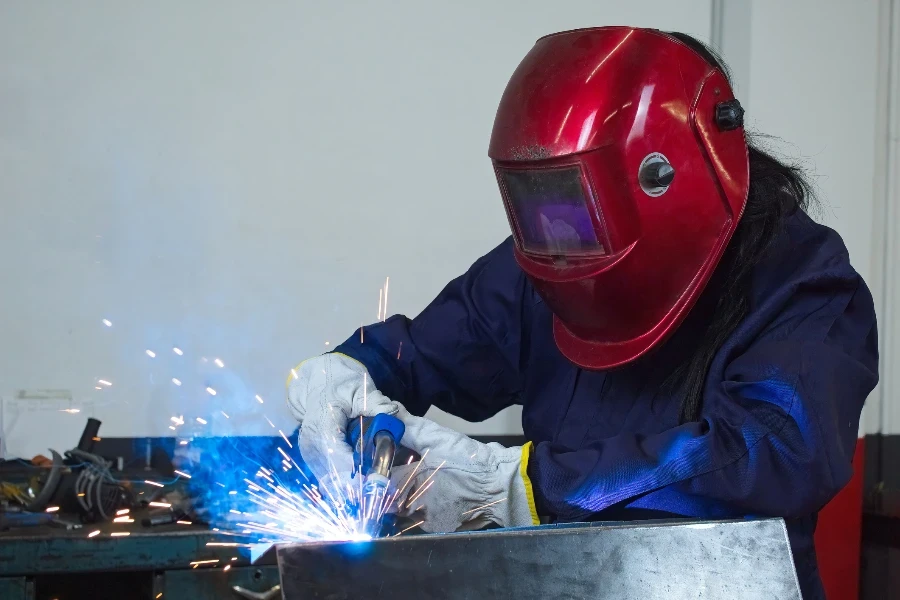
(375, 441)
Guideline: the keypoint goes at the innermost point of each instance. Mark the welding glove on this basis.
(459, 483)
(325, 393)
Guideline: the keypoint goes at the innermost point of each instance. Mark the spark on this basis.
(485, 505)
(183, 442)
(148, 482)
(224, 414)
(182, 474)
(94, 533)
(434, 472)
(410, 527)
(98, 388)
(387, 281)
(120, 533)
(176, 381)
(52, 509)
(327, 343)
(211, 391)
(201, 421)
(219, 363)
(95, 438)
(411, 475)
(71, 411)
(380, 292)
(177, 420)
(123, 520)
(258, 399)
(399, 350)
(409, 462)
(104, 382)
(160, 504)
(124, 511)
(172, 427)
(329, 512)
(361, 340)
(234, 558)
(107, 322)
(158, 596)
(150, 353)
(473, 454)
(227, 568)
(81, 494)
(365, 397)
(294, 374)
(177, 351)
(419, 493)
(211, 561)
(287, 441)
(184, 523)
(228, 544)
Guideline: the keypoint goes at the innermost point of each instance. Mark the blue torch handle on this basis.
(368, 428)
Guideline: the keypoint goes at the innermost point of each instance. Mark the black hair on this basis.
(776, 190)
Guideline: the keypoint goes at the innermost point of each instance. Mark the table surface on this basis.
(43, 549)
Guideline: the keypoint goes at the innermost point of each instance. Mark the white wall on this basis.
(808, 73)
(883, 411)
(813, 76)
(237, 179)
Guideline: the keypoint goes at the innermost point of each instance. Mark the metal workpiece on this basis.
(713, 560)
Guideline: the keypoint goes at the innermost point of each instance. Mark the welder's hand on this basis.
(327, 392)
(469, 484)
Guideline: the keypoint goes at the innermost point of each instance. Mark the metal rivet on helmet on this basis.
(729, 115)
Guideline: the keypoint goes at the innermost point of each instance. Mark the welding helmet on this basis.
(622, 163)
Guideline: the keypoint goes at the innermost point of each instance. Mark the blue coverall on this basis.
(781, 405)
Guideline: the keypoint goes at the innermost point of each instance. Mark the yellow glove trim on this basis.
(529, 490)
(293, 374)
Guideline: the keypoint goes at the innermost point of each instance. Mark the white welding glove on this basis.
(461, 484)
(325, 393)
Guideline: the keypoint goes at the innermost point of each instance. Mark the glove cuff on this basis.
(518, 509)
(527, 449)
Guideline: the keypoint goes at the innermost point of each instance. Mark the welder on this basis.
(683, 338)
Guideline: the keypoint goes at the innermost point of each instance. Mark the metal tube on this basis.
(383, 458)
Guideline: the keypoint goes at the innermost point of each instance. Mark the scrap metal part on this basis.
(714, 560)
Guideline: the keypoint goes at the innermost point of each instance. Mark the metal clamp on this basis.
(273, 593)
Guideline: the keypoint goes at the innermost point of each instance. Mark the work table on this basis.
(41, 561)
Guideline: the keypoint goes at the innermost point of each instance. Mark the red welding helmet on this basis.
(621, 158)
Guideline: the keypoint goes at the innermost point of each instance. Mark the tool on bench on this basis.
(80, 482)
(375, 441)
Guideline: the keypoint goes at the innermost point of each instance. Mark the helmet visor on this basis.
(550, 212)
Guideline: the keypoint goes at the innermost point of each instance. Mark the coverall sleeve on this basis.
(463, 353)
(777, 433)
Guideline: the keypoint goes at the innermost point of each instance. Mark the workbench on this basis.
(41, 563)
